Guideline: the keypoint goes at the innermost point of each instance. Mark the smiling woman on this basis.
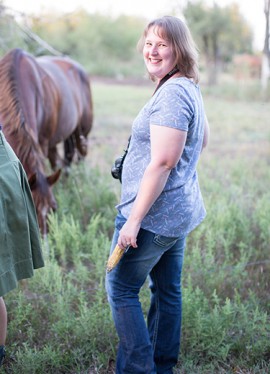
(160, 202)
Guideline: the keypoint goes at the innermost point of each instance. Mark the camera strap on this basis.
(167, 76)
(126, 150)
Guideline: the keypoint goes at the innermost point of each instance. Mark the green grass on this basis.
(60, 322)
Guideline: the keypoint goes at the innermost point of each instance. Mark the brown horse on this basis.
(44, 101)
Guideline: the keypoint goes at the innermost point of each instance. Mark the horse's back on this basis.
(73, 81)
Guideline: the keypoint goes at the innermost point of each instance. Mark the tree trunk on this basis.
(265, 75)
(211, 61)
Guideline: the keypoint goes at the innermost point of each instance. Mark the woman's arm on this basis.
(167, 145)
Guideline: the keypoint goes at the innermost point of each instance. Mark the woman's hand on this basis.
(128, 234)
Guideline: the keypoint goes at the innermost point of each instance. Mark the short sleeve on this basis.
(172, 107)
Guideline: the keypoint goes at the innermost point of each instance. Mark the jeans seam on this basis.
(155, 332)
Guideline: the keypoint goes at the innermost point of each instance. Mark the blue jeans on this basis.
(150, 348)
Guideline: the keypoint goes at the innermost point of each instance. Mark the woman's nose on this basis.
(153, 50)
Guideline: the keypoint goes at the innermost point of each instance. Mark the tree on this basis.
(10, 35)
(102, 44)
(219, 33)
(266, 50)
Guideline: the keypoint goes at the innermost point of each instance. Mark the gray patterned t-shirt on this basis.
(179, 208)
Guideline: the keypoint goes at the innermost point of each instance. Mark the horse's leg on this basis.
(54, 158)
(69, 150)
(81, 143)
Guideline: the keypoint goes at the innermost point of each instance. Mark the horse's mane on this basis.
(13, 119)
(9, 100)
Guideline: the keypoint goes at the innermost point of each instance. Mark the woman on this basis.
(20, 246)
(161, 202)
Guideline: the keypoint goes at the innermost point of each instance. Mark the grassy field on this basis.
(60, 322)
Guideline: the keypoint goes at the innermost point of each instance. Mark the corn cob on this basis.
(114, 258)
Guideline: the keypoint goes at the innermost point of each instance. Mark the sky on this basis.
(252, 10)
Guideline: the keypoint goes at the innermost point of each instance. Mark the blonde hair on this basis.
(177, 33)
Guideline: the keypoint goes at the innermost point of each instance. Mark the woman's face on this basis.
(158, 54)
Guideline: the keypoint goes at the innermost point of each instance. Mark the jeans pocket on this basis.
(164, 241)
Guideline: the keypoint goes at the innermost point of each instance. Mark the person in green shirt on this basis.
(20, 244)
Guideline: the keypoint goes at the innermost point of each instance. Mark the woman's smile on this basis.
(158, 54)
